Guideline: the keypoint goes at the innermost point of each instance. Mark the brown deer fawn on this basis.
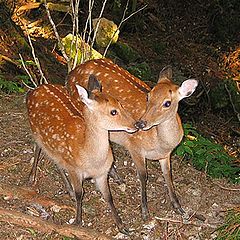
(75, 136)
(156, 109)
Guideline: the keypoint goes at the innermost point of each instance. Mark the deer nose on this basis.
(140, 124)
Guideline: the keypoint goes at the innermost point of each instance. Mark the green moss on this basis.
(141, 70)
(125, 52)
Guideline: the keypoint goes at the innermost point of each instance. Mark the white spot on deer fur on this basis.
(120, 90)
(98, 73)
(95, 63)
(113, 71)
(79, 70)
(115, 80)
(106, 74)
(55, 136)
(117, 87)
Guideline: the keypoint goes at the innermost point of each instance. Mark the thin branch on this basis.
(88, 23)
(228, 189)
(233, 106)
(98, 22)
(36, 60)
(140, 9)
(76, 33)
(185, 223)
(120, 24)
(58, 37)
(28, 73)
(73, 28)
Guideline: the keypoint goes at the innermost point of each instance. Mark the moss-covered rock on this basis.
(85, 52)
(125, 52)
(107, 31)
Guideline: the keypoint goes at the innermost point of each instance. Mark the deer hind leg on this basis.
(77, 183)
(166, 169)
(67, 183)
(37, 157)
(102, 184)
(114, 174)
(142, 174)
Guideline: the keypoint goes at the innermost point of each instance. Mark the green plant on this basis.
(141, 70)
(208, 156)
(10, 86)
(230, 230)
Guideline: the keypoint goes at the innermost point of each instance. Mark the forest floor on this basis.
(198, 193)
(48, 199)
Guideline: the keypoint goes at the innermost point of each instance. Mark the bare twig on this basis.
(98, 22)
(28, 73)
(233, 106)
(36, 60)
(120, 24)
(76, 33)
(58, 37)
(225, 188)
(185, 223)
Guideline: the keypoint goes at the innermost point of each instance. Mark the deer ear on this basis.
(93, 84)
(165, 73)
(187, 88)
(83, 94)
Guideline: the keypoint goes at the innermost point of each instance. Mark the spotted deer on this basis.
(75, 136)
(156, 110)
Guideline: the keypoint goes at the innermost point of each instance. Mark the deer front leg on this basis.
(102, 184)
(77, 182)
(140, 164)
(166, 169)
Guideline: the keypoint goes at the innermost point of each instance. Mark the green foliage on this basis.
(141, 70)
(67, 238)
(125, 52)
(219, 95)
(230, 230)
(10, 86)
(207, 156)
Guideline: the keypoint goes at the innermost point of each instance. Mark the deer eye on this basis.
(114, 112)
(167, 104)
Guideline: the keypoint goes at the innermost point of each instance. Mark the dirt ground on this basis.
(197, 193)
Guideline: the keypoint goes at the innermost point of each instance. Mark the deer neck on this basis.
(170, 131)
(96, 138)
